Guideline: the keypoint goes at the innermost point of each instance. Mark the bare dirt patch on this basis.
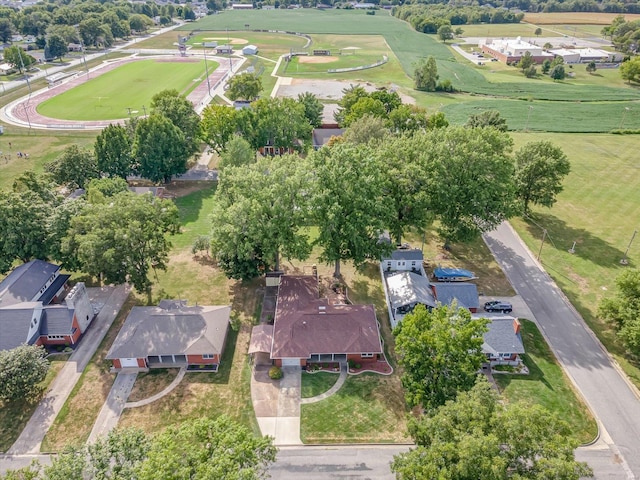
(317, 59)
(232, 41)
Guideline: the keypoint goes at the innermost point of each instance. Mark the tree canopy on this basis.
(540, 169)
(245, 86)
(441, 353)
(112, 151)
(477, 437)
(622, 309)
(218, 126)
(425, 75)
(179, 110)
(21, 371)
(487, 118)
(74, 168)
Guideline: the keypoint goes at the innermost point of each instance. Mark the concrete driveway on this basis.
(113, 406)
(30, 439)
(606, 390)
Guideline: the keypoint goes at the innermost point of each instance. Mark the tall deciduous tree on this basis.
(441, 353)
(206, 448)
(56, 47)
(23, 223)
(622, 309)
(630, 70)
(181, 113)
(261, 211)
(349, 205)
(74, 168)
(408, 118)
(471, 184)
(540, 169)
(425, 75)
(366, 129)
(313, 108)
(218, 126)
(476, 437)
(6, 30)
(445, 32)
(350, 96)
(21, 371)
(364, 106)
(18, 58)
(245, 86)
(526, 61)
(159, 149)
(279, 122)
(113, 151)
(238, 152)
(124, 239)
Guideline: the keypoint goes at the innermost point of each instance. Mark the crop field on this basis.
(131, 85)
(577, 18)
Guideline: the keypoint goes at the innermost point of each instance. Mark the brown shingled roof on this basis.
(305, 324)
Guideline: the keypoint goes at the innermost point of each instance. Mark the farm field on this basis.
(132, 85)
(598, 209)
(577, 18)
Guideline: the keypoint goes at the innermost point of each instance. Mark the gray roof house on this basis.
(171, 335)
(463, 294)
(36, 280)
(503, 342)
(406, 290)
(404, 259)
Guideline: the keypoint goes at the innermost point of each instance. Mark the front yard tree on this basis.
(113, 151)
(218, 126)
(245, 86)
(21, 371)
(123, 239)
(280, 122)
(260, 213)
(440, 352)
(181, 113)
(540, 169)
(471, 184)
(18, 58)
(160, 149)
(313, 108)
(238, 152)
(208, 448)
(622, 309)
(349, 205)
(481, 438)
(425, 75)
(74, 168)
(56, 47)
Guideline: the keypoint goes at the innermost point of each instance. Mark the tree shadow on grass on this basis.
(247, 299)
(561, 236)
(189, 206)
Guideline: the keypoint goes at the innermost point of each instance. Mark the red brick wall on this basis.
(356, 357)
(116, 363)
(198, 360)
(142, 363)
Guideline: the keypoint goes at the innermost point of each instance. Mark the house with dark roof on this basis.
(38, 308)
(321, 136)
(404, 259)
(171, 335)
(309, 329)
(503, 342)
(464, 295)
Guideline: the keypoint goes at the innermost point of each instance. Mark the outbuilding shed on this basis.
(250, 50)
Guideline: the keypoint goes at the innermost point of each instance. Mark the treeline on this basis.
(428, 18)
(624, 35)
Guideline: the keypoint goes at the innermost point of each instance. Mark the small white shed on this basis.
(250, 50)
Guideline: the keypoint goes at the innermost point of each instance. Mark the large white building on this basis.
(586, 55)
(509, 50)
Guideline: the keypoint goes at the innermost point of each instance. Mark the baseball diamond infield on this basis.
(23, 112)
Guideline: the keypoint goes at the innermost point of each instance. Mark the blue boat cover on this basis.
(443, 272)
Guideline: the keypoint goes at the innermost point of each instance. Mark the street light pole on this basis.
(624, 114)
(206, 69)
(624, 260)
(526, 127)
(544, 235)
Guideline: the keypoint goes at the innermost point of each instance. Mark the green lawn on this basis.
(547, 385)
(367, 409)
(599, 210)
(194, 212)
(131, 85)
(314, 384)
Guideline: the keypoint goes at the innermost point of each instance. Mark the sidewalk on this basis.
(31, 437)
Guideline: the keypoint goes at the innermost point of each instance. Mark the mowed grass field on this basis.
(577, 18)
(599, 210)
(132, 85)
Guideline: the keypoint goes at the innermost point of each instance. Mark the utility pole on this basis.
(544, 235)
(624, 260)
(206, 69)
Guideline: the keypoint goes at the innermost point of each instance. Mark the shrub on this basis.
(351, 363)
(358, 366)
(275, 373)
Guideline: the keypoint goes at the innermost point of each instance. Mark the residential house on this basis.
(404, 259)
(38, 308)
(74, 47)
(406, 290)
(309, 329)
(171, 335)
(464, 295)
(503, 342)
(321, 136)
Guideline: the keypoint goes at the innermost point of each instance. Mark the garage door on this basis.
(129, 362)
(290, 362)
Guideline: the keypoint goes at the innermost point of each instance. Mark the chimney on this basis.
(516, 326)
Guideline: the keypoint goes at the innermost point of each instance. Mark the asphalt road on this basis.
(339, 462)
(604, 388)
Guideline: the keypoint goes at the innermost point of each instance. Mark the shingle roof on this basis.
(321, 136)
(177, 331)
(464, 294)
(405, 254)
(14, 324)
(408, 288)
(56, 320)
(305, 324)
(261, 338)
(25, 281)
(502, 336)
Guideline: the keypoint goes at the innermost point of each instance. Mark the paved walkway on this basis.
(277, 406)
(30, 439)
(159, 395)
(113, 406)
(341, 379)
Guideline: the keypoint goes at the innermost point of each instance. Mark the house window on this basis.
(413, 264)
(55, 337)
(505, 355)
(366, 355)
(206, 356)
